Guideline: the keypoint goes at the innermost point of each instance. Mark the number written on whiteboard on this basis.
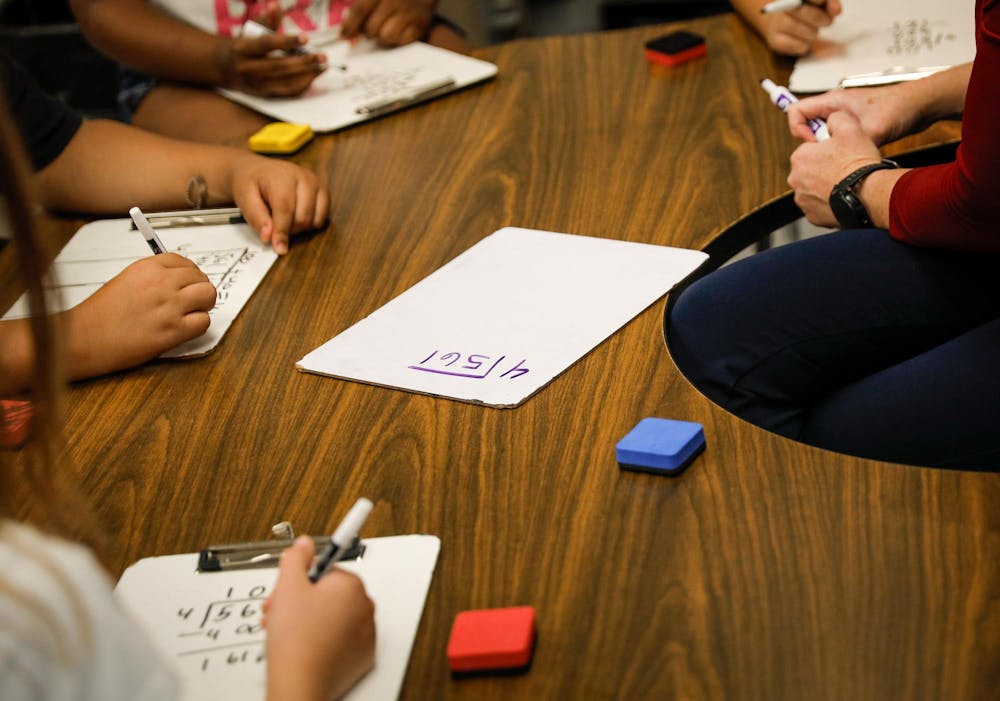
(475, 366)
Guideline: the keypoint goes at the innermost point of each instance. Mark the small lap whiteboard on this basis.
(208, 624)
(878, 37)
(231, 255)
(372, 74)
(501, 320)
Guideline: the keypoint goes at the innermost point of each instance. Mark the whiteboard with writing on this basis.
(870, 37)
(231, 255)
(501, 320)
(365, 74)
(208, 624)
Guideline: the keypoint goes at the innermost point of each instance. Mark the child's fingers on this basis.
(294, 563)
(354, 20)
(257, 214)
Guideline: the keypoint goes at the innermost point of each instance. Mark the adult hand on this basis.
(320, 637)
(153, 305)
(391, 22)
(259, 65)
(819, 165)
(885, 114)
(278, 198)
(793, 33)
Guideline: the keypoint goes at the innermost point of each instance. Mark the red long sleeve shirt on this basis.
(957, 205)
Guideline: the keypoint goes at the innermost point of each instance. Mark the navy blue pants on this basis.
(853, 342)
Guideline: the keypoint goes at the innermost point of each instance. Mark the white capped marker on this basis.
(780, 6)
(783, 98)
(342, 538)
(142, 224)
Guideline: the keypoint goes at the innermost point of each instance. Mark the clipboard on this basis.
(219, 241)
(365, 81)
(207, 624)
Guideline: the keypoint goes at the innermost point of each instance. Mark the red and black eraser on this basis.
(675, 48)
(492, 640)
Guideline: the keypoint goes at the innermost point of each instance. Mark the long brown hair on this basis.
(61, 507)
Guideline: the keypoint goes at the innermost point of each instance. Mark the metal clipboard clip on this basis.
(265, 553)
(194, 217)
(405, 99)
(896, 74)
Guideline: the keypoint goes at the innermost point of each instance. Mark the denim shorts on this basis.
(133, 87)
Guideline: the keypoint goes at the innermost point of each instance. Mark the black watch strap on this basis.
(844, 202)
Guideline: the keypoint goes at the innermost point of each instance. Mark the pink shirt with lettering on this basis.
(226, 16)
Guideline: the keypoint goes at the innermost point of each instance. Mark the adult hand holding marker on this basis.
(834, 150)
(789, 27)
(784, 99)
(840, 162)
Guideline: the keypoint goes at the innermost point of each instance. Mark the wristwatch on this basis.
(846, 205)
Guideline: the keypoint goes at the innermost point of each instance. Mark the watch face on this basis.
(845, 206)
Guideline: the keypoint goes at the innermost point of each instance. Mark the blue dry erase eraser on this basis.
(660, 446)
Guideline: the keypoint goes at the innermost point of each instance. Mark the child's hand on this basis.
(793, 33)
(278, 198)
(391, 22)
(320, 637)
(153, 305)
(248, 64)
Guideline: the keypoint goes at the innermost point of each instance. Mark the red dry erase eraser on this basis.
(675, 49)
(492, 639)
(15, 422)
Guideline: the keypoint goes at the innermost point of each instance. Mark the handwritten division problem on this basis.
(222, 632)
(912, 37)
(476, 366)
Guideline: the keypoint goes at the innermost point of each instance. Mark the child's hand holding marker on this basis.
(263, 62)
(790, 27)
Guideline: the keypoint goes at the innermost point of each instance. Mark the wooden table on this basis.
(769, 570)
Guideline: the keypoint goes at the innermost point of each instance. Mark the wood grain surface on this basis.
(769, 570)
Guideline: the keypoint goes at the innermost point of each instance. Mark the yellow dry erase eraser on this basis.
(281, 137)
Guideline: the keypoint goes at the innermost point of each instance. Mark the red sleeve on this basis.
(957, 205)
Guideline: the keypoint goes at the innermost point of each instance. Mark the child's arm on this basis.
(111, 167)
(140, 35)
(150, 307)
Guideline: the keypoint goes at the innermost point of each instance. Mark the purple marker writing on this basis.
(782, 97)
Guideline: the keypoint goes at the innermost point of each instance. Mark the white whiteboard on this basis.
(505, 317)
(872, 37)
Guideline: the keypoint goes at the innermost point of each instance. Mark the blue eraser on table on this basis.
(660, 446)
